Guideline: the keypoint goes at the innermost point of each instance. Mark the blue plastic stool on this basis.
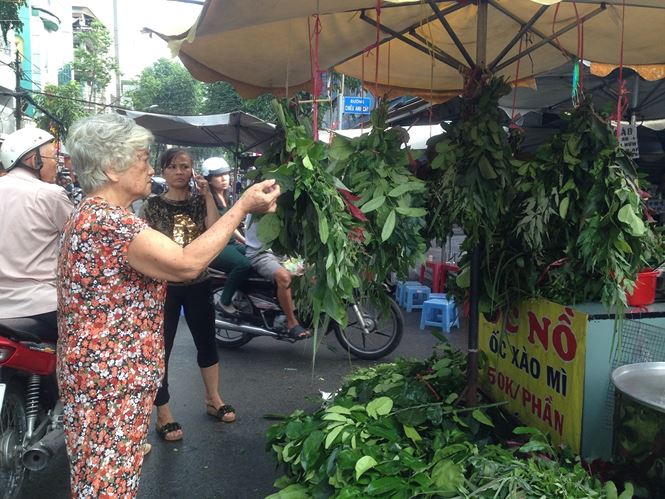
(439, 313)
(437, 296)
(415, 296)
(399, 290)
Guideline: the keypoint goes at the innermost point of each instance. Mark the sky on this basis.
(138, 50)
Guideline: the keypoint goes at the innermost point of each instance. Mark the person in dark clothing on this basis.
(183, 214)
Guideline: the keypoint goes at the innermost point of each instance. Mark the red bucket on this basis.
(645, 289)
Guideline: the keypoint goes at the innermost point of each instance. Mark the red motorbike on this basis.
(31, 429)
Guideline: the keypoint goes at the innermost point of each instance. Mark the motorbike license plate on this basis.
(2, 395)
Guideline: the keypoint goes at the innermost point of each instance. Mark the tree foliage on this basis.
(166, 87)
(221, 97)
(9, 16)
(64, 103)
(92, 63)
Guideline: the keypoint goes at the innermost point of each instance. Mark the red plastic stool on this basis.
(437, 271)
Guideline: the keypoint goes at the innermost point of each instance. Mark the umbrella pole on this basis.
(472, 356)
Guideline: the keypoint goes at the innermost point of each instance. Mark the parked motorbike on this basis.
(31, 426)
(372, 330)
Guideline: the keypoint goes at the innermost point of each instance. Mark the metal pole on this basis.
(18, 113)
(472, 358)
(340, 98)
(116, 45)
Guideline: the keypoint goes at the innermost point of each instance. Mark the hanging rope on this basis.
(376, 45)
(622, 100)
(513, 118)
(317, 83)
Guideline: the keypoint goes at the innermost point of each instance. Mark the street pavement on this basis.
(229, 461)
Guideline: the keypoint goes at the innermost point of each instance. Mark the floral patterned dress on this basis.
(110, 349)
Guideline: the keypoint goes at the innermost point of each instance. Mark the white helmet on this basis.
(215, 166)
(18, 144)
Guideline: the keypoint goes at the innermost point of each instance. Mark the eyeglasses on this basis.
(178, 166)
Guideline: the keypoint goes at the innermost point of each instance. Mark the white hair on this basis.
(104, 142)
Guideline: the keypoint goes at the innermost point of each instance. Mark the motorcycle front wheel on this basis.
(12, 432)
(229, 338)
(384, 326)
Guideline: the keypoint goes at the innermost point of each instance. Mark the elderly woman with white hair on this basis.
(112, 274)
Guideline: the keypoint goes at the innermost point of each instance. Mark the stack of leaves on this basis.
(312, 220)
(374, 167)
(397, 430)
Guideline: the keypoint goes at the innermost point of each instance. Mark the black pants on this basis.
(50, 322)
(196, 301)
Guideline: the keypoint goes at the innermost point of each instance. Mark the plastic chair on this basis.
(439, 313)
(415, 296)
(399, 290)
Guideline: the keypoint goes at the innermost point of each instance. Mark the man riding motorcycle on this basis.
(34, 209)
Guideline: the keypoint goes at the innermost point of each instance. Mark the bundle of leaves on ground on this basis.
(375, 167)
(397, 430)
(312, 220)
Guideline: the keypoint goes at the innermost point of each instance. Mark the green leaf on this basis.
(379, 407)
(409, 186)
(447, 476)
(385, 486)
(411, 433)
(627, 215)
(563, 207)
(363, 464)
(339, 409)
(330, 438)
(481, 417)
(340, 149)
(389, 226)
(323, 228)
(311, 449)
(464, 278)
(293, 491)
(373, 204)
(486, 169)
(411, 212)
(268, 228)
(307, 163)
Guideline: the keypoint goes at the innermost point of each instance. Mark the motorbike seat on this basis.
(25, 329)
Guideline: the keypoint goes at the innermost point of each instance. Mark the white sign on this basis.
(2, 395)
(628, 140)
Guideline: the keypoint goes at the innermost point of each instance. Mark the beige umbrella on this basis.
(425, 46)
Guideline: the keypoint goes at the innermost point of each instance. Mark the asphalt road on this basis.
(229, 461)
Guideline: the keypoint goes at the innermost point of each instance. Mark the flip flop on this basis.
(298, 332)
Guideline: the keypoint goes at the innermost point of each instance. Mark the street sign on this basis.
(357, 105)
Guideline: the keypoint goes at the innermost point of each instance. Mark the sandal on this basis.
(145, 449)
(221, 412)
(164, 430)
(298, 332)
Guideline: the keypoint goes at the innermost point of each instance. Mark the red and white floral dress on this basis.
(110, 349)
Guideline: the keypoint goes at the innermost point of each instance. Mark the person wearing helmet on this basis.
(232, 259)
(34, 210)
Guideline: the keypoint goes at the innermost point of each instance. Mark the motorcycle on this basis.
(31, 416)
(372, 330)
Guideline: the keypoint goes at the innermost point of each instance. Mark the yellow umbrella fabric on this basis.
(265, 46)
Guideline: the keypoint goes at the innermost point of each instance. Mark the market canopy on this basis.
(425, 46)
(238, 131)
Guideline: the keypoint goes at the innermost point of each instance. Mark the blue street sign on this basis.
(357, 105)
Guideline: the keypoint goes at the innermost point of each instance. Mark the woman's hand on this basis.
(261, 197)
(201, 184)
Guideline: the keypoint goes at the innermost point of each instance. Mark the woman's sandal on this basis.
(164, 430)
(220, 412)
(145, 449)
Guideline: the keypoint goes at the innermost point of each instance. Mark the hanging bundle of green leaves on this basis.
(397, 430)
(375, 168)
(312, 221)
(472, 186)
(592, 237)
